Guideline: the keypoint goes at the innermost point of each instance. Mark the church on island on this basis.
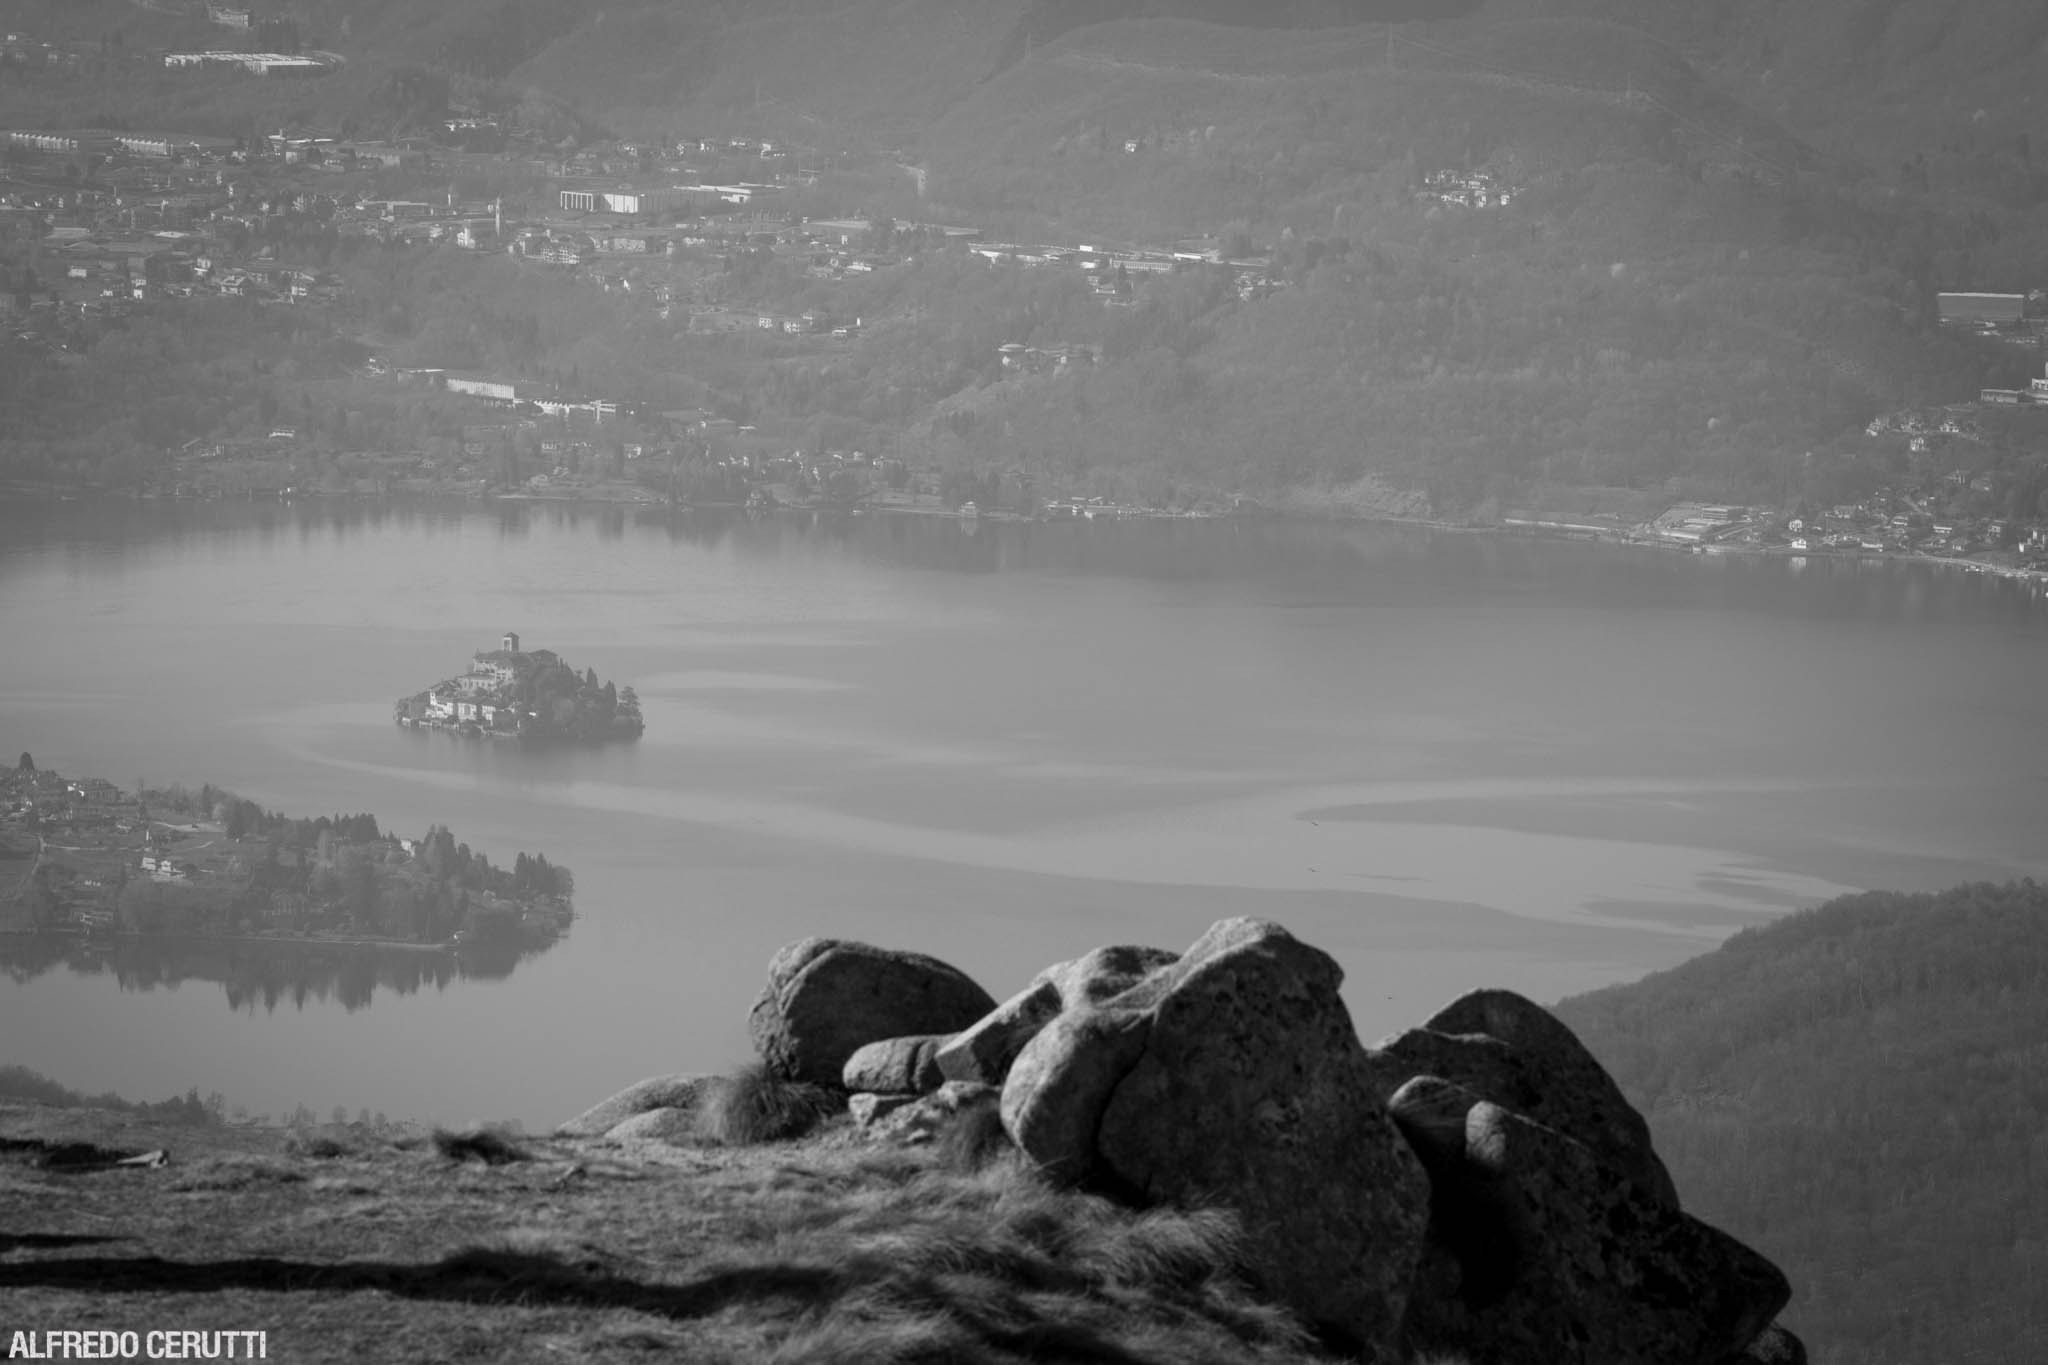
(509, 692)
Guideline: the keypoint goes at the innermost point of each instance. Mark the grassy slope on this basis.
(828, 1250)
(1859, 1092)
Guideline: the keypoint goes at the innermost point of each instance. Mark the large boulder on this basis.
(656, 1092)
(828, 998)
(869, 1109)
(1522, 1057)
(1233, 1078)
(1061, 1083)
(1775, 1346)
(676, 1126)
(985, 1051)
(896, 1066)
(1539, 1250)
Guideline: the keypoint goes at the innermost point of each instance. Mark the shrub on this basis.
(487, 1145)
(321, 1146)
(753, 1105)
(972, 1138)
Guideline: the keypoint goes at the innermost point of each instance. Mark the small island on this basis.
(81, 856)
(511, 693)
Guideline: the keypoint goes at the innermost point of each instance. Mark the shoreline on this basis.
(1578, 532)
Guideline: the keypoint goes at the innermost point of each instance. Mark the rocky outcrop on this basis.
(1474, 1189)
(984, 1051)
(1233, 1077)
(656, 1092)
(827, 998)
(1520, 1056)
(1539, 1249)
(896, 1066)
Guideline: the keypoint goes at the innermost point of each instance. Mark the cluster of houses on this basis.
(1888, 522)
(1466, 189)
(53, 800)
(2036, 392)
(1015, 357)
(1109, 270)
(483, 695)
(92, 836)
(2018, 318)
(1874, 527)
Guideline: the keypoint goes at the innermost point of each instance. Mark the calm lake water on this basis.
(1451, 761)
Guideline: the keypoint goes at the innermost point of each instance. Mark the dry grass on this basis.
(827, 1249)
(487, 1145)
(752, 1105)
(973, 1138)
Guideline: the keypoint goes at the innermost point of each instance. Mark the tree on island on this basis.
(27, 764)
(45, 906)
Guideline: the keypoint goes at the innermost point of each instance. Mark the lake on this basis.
(1449, 760)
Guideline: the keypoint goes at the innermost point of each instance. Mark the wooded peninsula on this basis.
(80, 855)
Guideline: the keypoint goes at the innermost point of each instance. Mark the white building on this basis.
(495, 390)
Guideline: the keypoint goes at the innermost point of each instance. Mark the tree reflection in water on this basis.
(262, 973)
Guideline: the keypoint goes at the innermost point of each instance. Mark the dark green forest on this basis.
(1861, 1092)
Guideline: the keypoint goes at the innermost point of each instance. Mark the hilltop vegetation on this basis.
(1677, 291)
(1861, 1091)
(1887, 80)
(1684, 288)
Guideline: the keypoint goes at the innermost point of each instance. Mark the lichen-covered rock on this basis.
(1773, 1346)
(675, 1126)
(656, 1092)
(1060, 1084)
(985, 1051)
(1233, 1078)
(922, 1118)
(896, 1066)
(828, 998)
(1541, 1251)
(1520, 1056)
(869, 1109)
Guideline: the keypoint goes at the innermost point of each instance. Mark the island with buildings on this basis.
(512, 693)
(82, 856)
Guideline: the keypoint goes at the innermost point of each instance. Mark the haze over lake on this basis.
(1451, 760)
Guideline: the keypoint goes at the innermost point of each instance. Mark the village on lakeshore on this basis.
(81, 855)
(511, 693)
(1944, 508)
(758, 252)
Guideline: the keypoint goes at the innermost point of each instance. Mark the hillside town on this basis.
(125, 218)
(81, 855)
(678, 235)
(120, 223)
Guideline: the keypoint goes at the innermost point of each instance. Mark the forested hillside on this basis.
(1861, 1092)
(1886, 79)
(1501, 256)
(1677, 291)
